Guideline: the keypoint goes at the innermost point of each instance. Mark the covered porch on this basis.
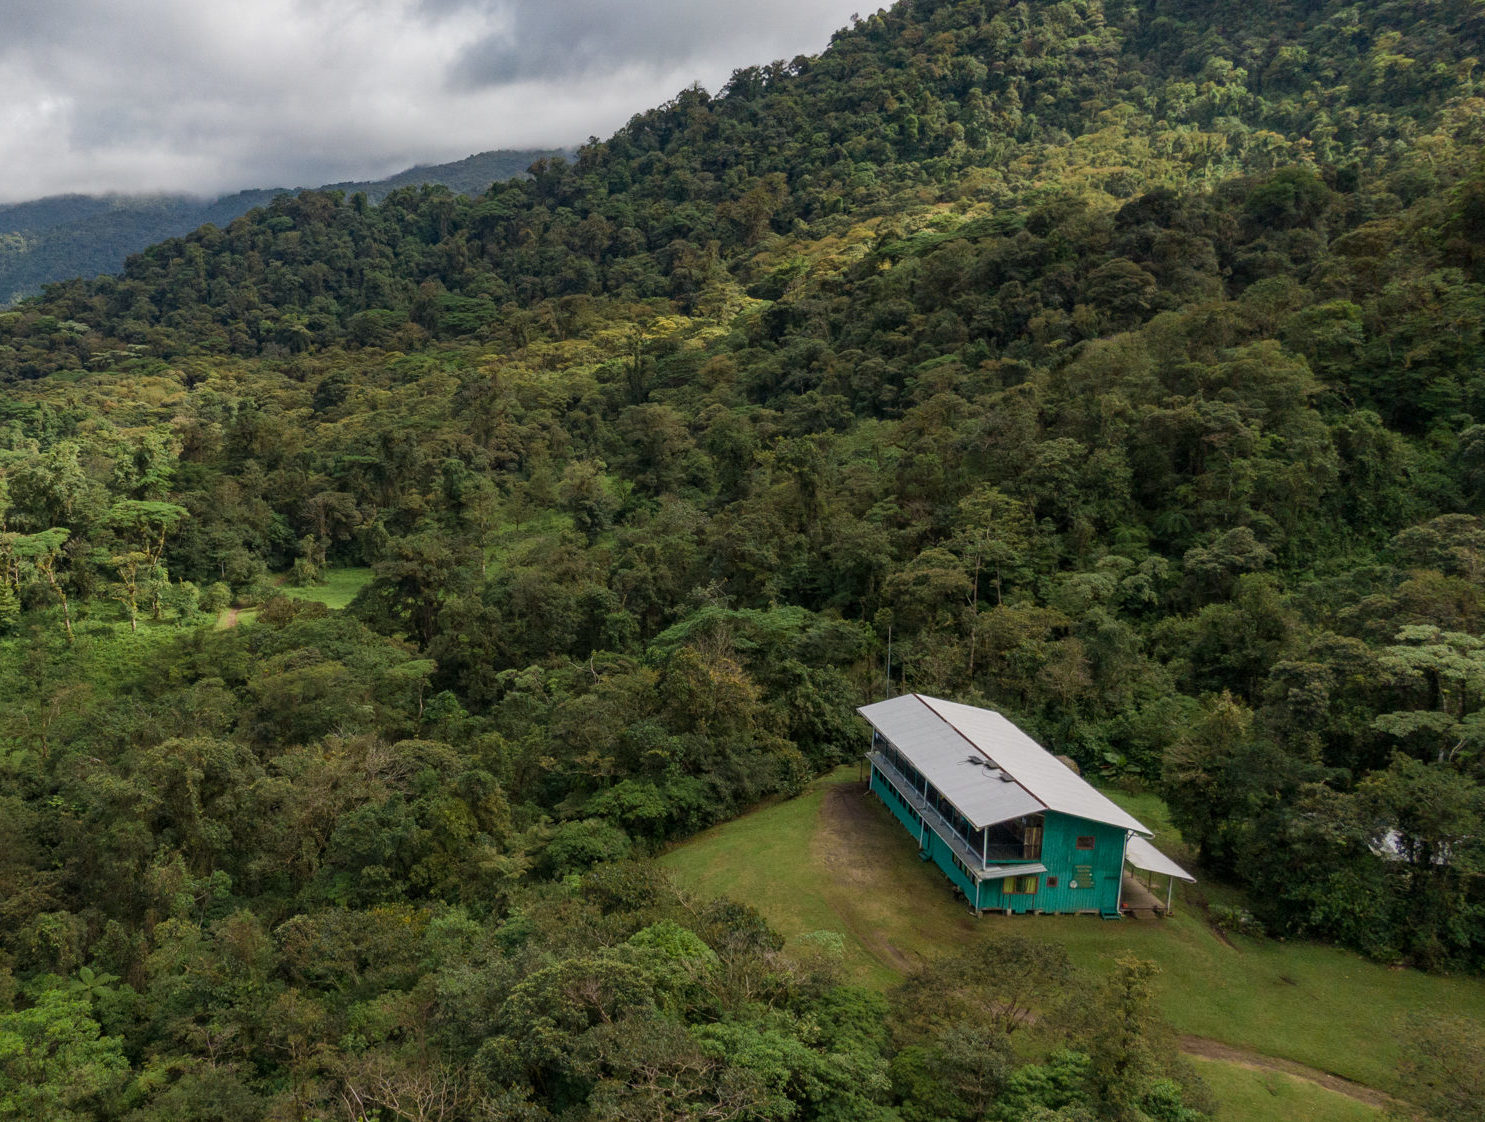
(1146, 872)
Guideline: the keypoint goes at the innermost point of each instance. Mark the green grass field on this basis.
(1267, 1095)
(834, 859)
(338, 589)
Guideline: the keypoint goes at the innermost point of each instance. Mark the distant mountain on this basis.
(65, 236)
(469, 176)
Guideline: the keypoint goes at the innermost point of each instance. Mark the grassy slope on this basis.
(1265, 1095)
(834, 859)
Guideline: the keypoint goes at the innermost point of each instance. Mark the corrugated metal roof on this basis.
(1142, 855)
(947, 734)
(951, 764)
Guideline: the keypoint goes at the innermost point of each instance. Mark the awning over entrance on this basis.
(1142, 855)
(996, 872)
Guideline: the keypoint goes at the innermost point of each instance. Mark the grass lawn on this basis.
(834, 859)
(338, 589)
(1262, 1095)
(755, 857)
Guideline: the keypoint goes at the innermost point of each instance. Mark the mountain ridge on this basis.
(77, 235)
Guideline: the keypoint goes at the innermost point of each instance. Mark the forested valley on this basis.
(1117, 365)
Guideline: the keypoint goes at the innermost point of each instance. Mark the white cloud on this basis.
(139, 95)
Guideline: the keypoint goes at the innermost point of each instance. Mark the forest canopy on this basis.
(1121, 365)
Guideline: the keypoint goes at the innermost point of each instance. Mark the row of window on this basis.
(1028, 886)
(1010, 886)
(913, 776)
(930, 794)
(917, 820)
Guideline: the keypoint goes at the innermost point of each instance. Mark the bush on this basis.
(304, 573)
(1235, 920)
(217, 597)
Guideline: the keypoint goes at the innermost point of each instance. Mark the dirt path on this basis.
(229, 619)
(1209, 1049)
(845, 814)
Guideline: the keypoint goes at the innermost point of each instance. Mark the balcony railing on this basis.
(963, 849)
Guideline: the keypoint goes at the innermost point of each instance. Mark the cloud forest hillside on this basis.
(51, 239)
(1119, 365)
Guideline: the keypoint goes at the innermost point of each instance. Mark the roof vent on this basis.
(994, 769)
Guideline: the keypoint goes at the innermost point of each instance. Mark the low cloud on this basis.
(539, 41)
(179, 95)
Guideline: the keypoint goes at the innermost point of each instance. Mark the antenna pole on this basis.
(889, 660)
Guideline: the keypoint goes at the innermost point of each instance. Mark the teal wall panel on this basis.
(1097, 871)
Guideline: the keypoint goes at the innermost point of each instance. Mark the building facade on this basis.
(1009, 824)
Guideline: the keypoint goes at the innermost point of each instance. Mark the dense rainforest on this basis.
(1118, 365)
(51, 239)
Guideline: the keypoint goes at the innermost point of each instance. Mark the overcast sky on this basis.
(211, 96)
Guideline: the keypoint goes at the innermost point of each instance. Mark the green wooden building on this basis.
(1011, 825)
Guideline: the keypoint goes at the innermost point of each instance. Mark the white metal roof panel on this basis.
(950, 763)
(1142, 855)
(943, 730)
(1040, 772)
